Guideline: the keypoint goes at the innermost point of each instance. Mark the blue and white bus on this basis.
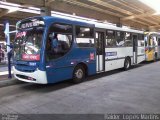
(82, 49)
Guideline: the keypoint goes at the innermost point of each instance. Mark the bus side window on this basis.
(150, 41)
(155, 43)
(141, 40)
(158, 41)
(110, 38)
(146, 40)
(120, 38)
(128, 39)
(59, 40)
(84, 36)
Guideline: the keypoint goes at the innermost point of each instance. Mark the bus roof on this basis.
(112, 27)
(150, 33)
(81, 22)
(94, 23)
(67, 20)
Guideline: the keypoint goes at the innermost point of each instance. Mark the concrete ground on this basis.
(134, 91)
(4, 72)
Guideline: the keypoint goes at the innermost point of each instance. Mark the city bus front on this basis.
(28, 50)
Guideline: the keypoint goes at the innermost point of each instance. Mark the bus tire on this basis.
(78, 74)
(127, 63)
(156, 56)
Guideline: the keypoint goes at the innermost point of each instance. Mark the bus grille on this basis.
(25, 77)
(24, 69)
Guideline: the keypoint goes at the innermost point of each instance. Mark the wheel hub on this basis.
(79, 73)
(127, 64)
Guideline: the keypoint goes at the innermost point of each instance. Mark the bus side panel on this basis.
(59, 74)
(86, 56)
(158, 54)
(140, 54)
(149, 53)
(62, 68)
(91, 68)
(115, 57)
(114, 64)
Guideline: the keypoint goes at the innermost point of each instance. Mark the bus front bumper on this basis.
(37, 76)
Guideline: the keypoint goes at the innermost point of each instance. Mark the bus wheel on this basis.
(78, 74)
(156, 57)
(127, 64)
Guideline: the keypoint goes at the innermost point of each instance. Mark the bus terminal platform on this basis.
(4, 72)
(118, 91)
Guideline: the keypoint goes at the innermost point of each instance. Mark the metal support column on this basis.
(45, 11)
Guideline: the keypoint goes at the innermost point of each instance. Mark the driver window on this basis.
(59, 41)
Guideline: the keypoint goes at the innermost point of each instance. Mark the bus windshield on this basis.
(27, 45)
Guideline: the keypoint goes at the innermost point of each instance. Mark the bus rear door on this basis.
(135, 45)
(100, 48)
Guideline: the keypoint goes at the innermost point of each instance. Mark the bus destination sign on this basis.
(30, 23)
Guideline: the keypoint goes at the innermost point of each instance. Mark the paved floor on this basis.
(3, 71)
(133, 91)
(3, 68)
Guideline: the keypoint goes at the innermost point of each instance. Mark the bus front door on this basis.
(135, 45)
(100, 51)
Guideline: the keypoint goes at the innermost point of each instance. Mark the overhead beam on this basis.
(135, 24)
(48, 2)
(75, 2)
(154, 26)
(12, 20)
(130, 6)
(91, 13)
(4, 12)
(141, 15)
(87, 10)
(107, 5)
(36, 3)
(137, 21)
(148, 21)
(138, 16)
(70, 8)
(21, 15)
